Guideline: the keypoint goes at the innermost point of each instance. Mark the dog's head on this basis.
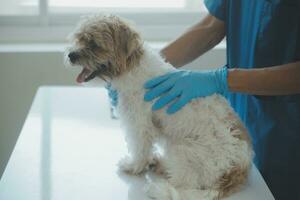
(105, 46)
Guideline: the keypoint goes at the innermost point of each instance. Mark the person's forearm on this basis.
(277, 80)
(196, 41)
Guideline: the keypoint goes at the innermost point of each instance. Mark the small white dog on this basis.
(206, 152)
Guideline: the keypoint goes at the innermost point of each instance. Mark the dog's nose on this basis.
(73, 56)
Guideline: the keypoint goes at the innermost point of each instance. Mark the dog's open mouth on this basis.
(83, 75)
(86, 74)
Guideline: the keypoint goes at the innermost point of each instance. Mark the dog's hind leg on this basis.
(161, 189)
(158, 188)
(196, 194)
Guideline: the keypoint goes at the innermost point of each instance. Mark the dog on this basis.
(201, 152)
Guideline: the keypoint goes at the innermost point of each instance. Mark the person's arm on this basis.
(277, 80)
(183, 85)
(195, 41)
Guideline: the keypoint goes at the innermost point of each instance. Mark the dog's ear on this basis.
(128, 50)
(130, 40)
(127, 44)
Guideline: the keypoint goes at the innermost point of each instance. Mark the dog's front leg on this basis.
(139, 145)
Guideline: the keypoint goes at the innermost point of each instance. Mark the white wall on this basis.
(23, 68)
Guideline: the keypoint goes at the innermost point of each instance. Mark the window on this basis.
(72, 6)
(18, 7)
(157, 19)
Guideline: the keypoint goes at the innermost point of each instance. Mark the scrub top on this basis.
(265, 33)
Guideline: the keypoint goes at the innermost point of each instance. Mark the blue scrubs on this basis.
(264, 33)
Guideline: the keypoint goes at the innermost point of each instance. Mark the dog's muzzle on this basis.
(73, 56)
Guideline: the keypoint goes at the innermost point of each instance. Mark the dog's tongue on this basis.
(81, 77)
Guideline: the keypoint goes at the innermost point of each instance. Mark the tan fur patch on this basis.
(237, 128)
(231, 181)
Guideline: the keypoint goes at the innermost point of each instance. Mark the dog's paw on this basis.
(158, 191)
(130, 166)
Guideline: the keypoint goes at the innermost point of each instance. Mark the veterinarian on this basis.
(261, 79)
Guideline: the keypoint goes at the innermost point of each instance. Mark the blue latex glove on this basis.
(113, 95)
(184, 86)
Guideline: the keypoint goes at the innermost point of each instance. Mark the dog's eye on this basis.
(92, 44)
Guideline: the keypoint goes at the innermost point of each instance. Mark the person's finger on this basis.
(164, 100)
(157, 80)
(158, 90)
(183, 100)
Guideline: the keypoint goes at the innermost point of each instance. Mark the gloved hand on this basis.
(185, 85)
(113, 95)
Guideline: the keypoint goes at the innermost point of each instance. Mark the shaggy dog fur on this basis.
(205, 152)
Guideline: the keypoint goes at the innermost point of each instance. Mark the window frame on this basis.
(158, 25)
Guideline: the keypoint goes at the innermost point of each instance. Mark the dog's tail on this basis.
(159, 188)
